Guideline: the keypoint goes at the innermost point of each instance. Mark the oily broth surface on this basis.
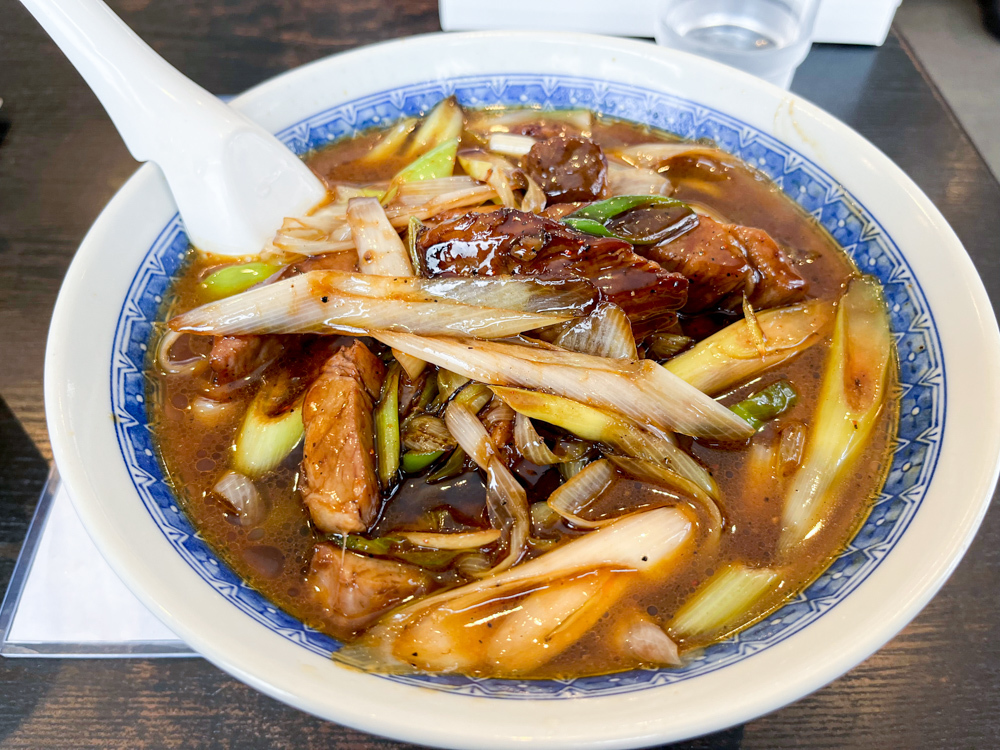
(273, 557)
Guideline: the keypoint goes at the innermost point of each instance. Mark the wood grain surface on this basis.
(936, 685)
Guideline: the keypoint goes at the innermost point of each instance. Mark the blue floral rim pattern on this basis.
(922, 377)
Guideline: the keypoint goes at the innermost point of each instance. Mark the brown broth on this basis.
(273, 556)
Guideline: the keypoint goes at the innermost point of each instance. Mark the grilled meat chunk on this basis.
(513, 242)
(353, 590)
(341, 488)
(724, 261)
(236, 357)
(568, 168)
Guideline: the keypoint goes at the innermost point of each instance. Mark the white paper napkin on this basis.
(73, 604)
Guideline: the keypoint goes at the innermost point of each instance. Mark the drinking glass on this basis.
(768, 38)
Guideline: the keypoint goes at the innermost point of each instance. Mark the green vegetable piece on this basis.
(438, 162)
(395, 547)
(474, 396)
(356, 543)
(414, 462)
(387, 442)
(235, 279)
(264, 441)
(433, 559)
(416, 257)
(856, 384)
(590, 226)
(611, 207)
(454, 466)
(767, 404)
(724, 599)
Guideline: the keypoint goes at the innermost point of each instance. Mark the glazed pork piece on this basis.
(507, 241)
(236, 357)
(568, 168)
(724, 261)
(353, 590)
(341, 489)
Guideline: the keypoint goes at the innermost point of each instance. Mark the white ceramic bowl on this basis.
(943, 473)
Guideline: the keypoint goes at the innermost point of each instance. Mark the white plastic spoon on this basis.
(233, 182)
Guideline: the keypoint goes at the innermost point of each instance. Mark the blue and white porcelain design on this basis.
(922, 377)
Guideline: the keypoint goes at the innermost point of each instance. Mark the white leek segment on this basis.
(606, 332)
(504, 178)
(507, 292)
(614, 430)
(327, 230)
(509, 144)
(457, 540)
(411, 365)
(380, 249)
(644, 640)
(453, 630)
(506, 499)
(641, 390)
(264, 441)
(573, 497)
(194, 365)
(655, 155)
(381, 252)
(853, 391)
(530, 444)
(724, 600)
(442, 124)
(240, 492)
(624, 179)
(311, 303)
(731, 356)
(549, 621)
(392, 141)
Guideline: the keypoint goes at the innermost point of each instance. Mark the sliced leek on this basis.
(264, 441)
(614, 430)
(725, 599)
(386, 417)
(731, 356)
(641, 390)
(444, 123)
(855, 381)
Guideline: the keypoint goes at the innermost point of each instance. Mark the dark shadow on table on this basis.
(23, 471)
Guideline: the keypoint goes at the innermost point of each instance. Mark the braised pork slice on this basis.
(353, 590)
(341, 488)
(514, 242)
(236, 357)
(724, 261)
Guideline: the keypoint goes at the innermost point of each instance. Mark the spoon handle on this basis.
(233, 182)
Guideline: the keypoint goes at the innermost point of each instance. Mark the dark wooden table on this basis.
(936, 685)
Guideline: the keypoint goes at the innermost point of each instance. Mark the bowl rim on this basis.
(115, 547)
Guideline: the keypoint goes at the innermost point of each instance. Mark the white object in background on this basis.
(838, 21)
(233, 182)
(73, 604)
(766, 38)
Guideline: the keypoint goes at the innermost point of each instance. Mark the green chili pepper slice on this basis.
(454, 466)
(415, 462)
(590, 226)
(766, 404)
(611, 207)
